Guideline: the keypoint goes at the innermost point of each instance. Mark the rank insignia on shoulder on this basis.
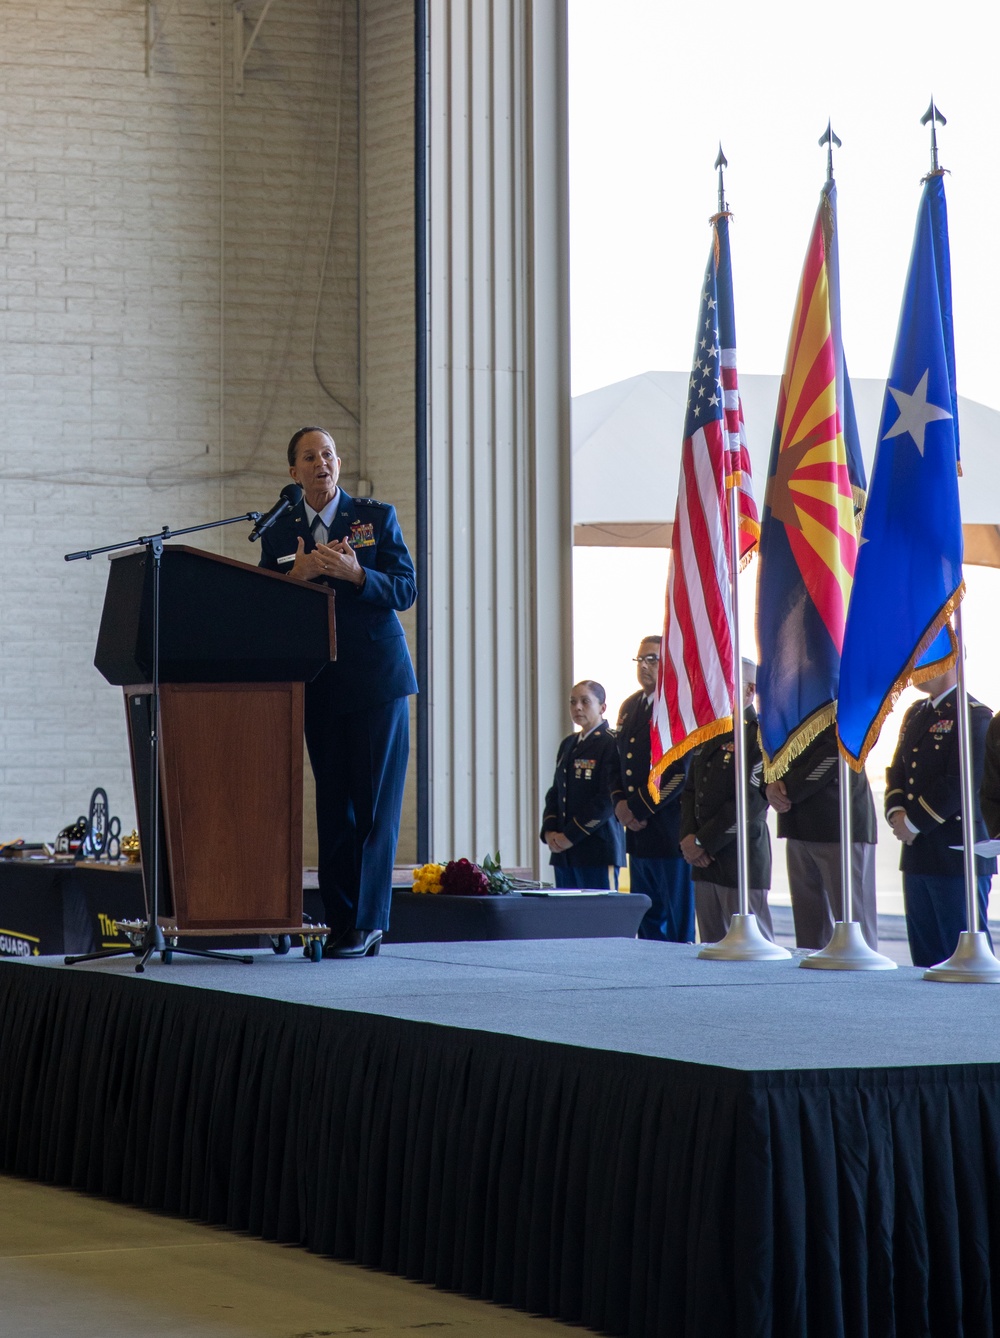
(361, 536)
(368, 501)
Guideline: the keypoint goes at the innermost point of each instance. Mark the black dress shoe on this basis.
(356, 943)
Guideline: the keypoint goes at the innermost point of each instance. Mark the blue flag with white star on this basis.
(908, 578)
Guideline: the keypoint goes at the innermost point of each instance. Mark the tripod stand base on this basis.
(744, 942)
(848, 951)
(97, 956)
(972, 963)
(146, 940)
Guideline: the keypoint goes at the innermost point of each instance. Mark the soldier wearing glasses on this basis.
(652, 831)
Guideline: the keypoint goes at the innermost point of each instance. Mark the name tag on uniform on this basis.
(362, 536)
(289, 558)
(584, 767)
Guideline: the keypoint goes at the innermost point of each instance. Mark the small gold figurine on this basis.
(130, 847)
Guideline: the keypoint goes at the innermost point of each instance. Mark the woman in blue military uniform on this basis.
(356, 710)
(579, 826)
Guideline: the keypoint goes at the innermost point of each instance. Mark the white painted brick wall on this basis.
(130, 395)
(391, 320)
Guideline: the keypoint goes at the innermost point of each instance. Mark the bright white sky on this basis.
(654, 87)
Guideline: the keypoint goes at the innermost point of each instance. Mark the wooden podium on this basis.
(236, 645)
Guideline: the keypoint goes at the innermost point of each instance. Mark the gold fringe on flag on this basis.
(860, 502)
(700, 735)
(747, 526)
(716, 245)
(910, 674)
(797, 742)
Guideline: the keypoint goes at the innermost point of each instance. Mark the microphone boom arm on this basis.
(164, 534)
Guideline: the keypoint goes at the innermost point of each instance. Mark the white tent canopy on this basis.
(626, 458)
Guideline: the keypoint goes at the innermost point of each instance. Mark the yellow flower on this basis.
(427, 878)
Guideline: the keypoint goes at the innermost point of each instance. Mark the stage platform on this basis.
(50, 908)
(610, 1132)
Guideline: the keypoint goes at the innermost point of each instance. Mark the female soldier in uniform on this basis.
(579, 826)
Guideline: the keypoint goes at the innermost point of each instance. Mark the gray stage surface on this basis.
(628, 996)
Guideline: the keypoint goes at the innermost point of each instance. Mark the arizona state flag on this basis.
(808, 544)
(909, 573)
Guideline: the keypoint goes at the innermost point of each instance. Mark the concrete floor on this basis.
(77, 1266)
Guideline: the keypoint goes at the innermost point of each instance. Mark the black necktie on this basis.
(320, 533)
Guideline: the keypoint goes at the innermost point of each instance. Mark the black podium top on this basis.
(221, 621)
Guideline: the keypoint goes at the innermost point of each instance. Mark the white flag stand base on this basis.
(848, 951)
(744, 942)
(972, 962)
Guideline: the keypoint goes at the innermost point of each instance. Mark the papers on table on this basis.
(568, 891)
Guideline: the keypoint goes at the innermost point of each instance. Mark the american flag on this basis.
(695, 689)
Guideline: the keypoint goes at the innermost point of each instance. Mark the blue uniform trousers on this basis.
(935, 914)
(667, 883)
(584, 875)
(359, 762)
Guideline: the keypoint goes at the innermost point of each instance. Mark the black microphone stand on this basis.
(153, 940)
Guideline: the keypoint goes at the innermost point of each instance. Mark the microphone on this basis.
(291, 495)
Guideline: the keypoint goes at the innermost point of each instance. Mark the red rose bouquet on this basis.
(462, 878)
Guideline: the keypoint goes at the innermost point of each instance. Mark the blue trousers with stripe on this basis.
(359, 762)
(667, 883)
(935, 914)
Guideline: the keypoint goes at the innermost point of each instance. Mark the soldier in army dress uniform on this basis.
(923, 805)
(807, 801)
(578, 826)
(708, 826)
(989, 791)
(652, 831)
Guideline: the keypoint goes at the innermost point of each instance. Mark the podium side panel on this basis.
(137, 714)
(122, 634)
(232, 799)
